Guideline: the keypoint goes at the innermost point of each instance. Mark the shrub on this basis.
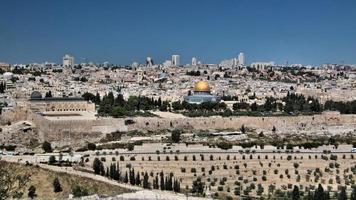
(57, 185)
(130, 147)
(51, 160)
(176, 135)
(333, 157)
(47, 147)
(224, 145)
(98, 166)
(79, 191)
(32, 192)
(289, 157)
(91, 146)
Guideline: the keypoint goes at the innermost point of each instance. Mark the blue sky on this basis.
(298, 31)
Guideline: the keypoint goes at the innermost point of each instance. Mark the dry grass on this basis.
(42, 179)
(252, 173)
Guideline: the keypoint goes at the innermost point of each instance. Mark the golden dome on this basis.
(202, 86)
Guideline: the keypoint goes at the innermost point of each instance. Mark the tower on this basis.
(241, 58)
(175, 60)
(149, 62)
(68, 61)
(194, 61)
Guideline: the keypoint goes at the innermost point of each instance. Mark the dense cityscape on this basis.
(168, 129)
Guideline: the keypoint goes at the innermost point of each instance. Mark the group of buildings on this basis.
(173, 82)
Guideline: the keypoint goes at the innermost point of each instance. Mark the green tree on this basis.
(138, 179)
(254, 106)
(118, 111)
(243, 129)
(319, 193)
(48, 94)
(224, 145)
(132, 177)
(91, 146)
(32, 192)
(145, 183)
(274, 129)
(51, 160)
(57, 185)
(98, 167)
(47, 147)
(295, 193)
(176, 135)
(342, 194)
(97, 99)
(2, 87)
(126, 178)
(198, 186)
(155, 183)
(176, 186)
(353, 194)
(176, 105)
(162, 181)
(79, 191)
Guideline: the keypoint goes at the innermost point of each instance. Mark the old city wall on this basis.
(78, 131)
(13, 115)
(75, 131)
(267, 123)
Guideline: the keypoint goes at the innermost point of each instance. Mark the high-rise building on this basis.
(262, 65)
(241, 58)
(68, 61)
(167, 63)
(175, 60)
(235, 62)
(194, 61)
(149, 62)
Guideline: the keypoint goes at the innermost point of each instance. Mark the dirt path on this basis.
(138, 192)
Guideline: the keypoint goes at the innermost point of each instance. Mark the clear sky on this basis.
(118, 31)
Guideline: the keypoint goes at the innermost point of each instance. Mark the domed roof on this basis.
(202, 86)
(36, 95)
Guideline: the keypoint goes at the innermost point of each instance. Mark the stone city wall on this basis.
(13, 115)
(69, 131)
(205, 123)
(75, 131)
